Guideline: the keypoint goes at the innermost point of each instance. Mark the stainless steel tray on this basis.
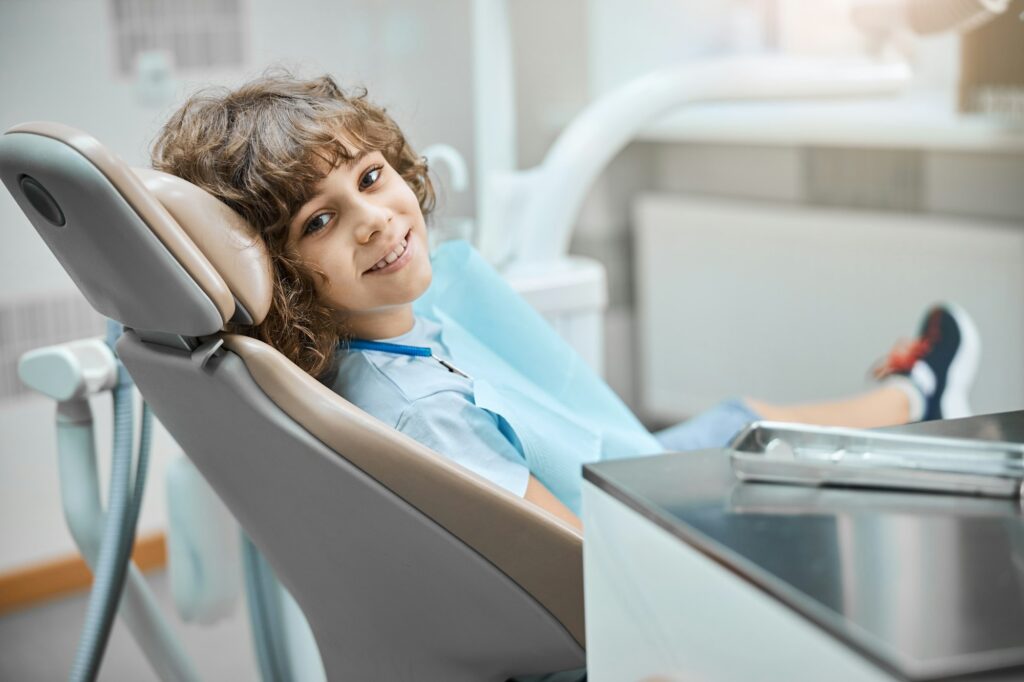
(817, 455)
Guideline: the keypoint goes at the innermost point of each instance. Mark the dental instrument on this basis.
(818, 455)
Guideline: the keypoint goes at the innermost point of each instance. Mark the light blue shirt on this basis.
(424, 400)
(533, 405)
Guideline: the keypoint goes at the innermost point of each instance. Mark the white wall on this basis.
(57, 63)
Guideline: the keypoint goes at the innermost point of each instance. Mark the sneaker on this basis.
(940, 363)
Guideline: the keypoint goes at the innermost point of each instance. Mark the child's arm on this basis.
(452, 426)
(537, 493)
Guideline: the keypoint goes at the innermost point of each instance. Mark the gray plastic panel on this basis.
(389, 594)
(114, 258)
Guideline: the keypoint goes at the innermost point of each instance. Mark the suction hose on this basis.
(263, 595)
(119, 527)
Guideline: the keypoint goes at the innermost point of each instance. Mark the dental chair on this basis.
(406, 565)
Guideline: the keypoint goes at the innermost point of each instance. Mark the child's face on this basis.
(365, 231)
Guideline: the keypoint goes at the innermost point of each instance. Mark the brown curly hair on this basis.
(261, 149)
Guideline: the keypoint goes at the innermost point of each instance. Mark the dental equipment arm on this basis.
(926, 16)
(537, 208)
(447, 155)
(449, 227)
(70, 373)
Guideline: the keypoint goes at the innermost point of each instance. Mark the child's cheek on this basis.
(425, 279)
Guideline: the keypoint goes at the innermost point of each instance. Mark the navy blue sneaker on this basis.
(940, 363)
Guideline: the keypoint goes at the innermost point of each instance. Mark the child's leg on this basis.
(714, 428)
(928, 378)
(885, 406)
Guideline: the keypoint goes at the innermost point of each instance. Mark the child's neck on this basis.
(381, 324)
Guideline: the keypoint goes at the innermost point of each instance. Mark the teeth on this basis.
(391, 257)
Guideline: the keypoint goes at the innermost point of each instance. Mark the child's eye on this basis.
(370, 177)
(317, 223)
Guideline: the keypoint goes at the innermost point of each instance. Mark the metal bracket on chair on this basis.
(176, 341)
(208, 350)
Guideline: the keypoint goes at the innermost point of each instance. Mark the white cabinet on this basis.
(660, 611)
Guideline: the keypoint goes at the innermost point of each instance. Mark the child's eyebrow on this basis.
(358, 157)
(348, 164)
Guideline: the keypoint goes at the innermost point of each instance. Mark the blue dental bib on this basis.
(564, 415)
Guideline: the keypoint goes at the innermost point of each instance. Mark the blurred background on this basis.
(765, 248)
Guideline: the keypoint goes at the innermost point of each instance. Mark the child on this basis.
(340, 199)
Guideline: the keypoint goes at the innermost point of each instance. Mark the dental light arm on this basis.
(926, 16)
(541, 205)
(448, 156)
(937, 16)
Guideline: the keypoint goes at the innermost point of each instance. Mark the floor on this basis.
(39, 643)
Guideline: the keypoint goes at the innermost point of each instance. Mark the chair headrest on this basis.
(225, 238)
(148, 249)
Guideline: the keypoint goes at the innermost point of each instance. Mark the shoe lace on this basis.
(905, 354)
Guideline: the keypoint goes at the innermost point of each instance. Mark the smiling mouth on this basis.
(395, 258)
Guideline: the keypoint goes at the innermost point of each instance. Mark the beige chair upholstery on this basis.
(407, 566)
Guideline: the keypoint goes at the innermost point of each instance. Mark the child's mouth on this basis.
(399, 256)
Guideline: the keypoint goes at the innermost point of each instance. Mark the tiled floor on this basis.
(39, 643)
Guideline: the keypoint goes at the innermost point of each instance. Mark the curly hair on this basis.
(261, 149)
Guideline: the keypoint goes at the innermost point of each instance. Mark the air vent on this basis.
(198, 34)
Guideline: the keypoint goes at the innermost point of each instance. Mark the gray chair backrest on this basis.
(407, 566)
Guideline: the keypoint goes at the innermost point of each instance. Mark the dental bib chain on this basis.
(398, 349)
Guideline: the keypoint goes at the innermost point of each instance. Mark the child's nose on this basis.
(374, 220)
